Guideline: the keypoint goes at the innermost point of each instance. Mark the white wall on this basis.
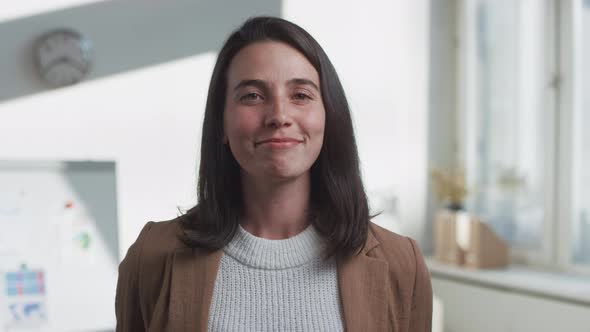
(147, 117)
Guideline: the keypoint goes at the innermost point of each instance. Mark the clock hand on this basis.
(66, 60)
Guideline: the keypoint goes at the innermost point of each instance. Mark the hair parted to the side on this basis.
(338, 203)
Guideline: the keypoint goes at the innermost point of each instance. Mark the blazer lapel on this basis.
(193, 280)
(362, 282)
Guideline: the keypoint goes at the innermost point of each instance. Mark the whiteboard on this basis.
(58, 245)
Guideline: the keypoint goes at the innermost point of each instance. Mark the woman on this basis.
(281, 238)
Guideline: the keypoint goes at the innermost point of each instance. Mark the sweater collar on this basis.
(268, 254)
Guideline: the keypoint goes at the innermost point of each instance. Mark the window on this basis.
(580, 250)
(525, 124)
(505, 121)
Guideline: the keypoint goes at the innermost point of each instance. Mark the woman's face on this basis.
(274, 115)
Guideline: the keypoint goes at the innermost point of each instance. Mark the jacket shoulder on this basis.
(398, 246)
(157, 242)
(401, 253)
(163, 236)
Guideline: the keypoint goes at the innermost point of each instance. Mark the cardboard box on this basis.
(462, 239)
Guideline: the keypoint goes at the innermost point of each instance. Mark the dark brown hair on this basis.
(338, 203)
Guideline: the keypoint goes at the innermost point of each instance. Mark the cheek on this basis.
(316, 124)
(315, 127)
(238, 124)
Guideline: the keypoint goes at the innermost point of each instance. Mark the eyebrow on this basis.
(262, 85)
(303, 81)
(257, 83)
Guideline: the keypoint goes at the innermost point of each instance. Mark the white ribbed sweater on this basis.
(275, 285)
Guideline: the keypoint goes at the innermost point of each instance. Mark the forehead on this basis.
(270, 61)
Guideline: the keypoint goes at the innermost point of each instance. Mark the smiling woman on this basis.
(274, 116)
(281, 237)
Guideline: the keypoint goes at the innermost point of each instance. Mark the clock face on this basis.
(63, 57)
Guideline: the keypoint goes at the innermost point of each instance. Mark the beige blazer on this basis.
(165, 286)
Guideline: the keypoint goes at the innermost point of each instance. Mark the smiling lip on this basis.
(279, 142)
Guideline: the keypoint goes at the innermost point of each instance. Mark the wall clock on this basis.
(62, 57)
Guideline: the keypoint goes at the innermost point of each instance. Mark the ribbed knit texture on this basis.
(275, 285)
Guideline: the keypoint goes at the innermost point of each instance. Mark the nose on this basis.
(277, 115)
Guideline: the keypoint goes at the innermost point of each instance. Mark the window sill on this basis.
(518, 279)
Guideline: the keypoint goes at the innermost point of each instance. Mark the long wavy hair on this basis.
(338, 203)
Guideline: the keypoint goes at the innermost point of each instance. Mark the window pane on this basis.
(581, 217)
(505, 126)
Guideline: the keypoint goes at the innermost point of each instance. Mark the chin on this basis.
(285, 174)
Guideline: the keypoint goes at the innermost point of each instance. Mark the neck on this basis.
(275, 210)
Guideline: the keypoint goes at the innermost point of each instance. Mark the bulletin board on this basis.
(58, 245)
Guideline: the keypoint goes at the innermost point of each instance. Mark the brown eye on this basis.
(251, 97)
(301, 96)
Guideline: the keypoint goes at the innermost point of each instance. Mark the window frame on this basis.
(560, 104)
(568, 25)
